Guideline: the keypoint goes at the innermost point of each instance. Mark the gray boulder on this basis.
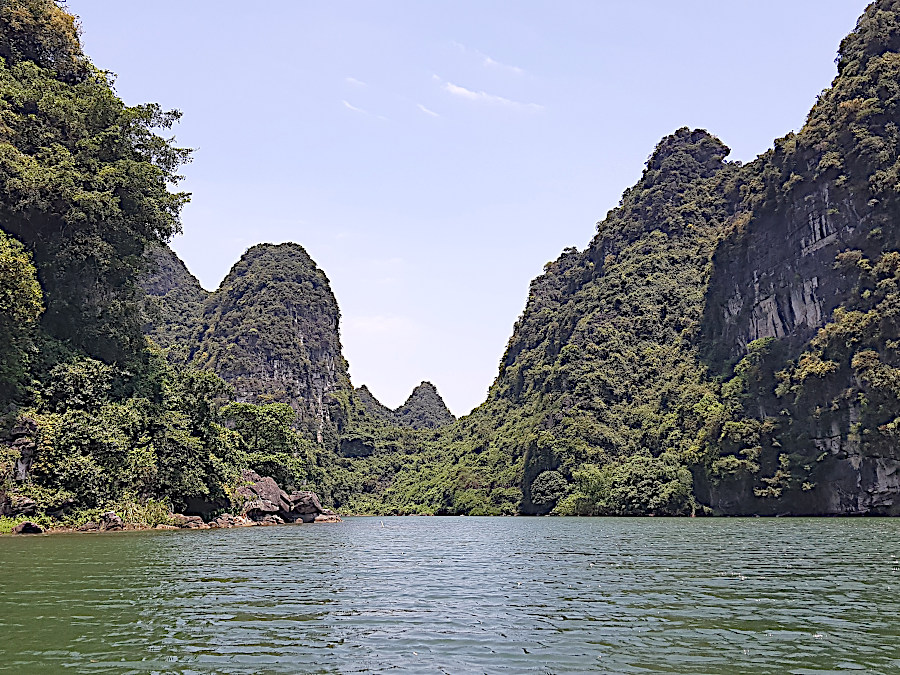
(227, 520)
(189, 522)
(111, 522)
(27, 528)
(17, 505)
(264, 498)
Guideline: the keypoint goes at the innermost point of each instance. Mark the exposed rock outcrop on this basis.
(265, 501)
(27, 528)
(17, 505)
(22, 439)
(188, 522)
(111, 521)
(271, 330)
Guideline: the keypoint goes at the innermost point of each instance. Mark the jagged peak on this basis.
(694, 150)
(424, 409)
(877, 32)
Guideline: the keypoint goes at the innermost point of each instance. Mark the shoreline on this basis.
(136, 527)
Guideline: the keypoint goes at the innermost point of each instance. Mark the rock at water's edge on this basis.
(111, 522)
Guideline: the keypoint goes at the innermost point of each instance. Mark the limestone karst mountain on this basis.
(423, 409)
(737, 322)
(727, 343)
(271, 330)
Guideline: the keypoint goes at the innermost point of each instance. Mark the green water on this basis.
(459, 595)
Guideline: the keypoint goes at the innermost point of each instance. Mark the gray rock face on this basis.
(226, 520)
(779, 280)
(189, 522)
(111, 521)
(27, 528)
(17, 505)
(265, 500)
(22, 439)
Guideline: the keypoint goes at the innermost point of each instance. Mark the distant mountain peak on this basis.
(424, 409)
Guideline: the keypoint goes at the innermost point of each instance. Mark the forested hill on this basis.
(174, 303)
(272, 331)
(729, 338)
(424, 409)
(729, 341)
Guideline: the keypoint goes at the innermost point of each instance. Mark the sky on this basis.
(432, 156)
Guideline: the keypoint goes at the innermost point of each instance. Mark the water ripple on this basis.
(459, 595)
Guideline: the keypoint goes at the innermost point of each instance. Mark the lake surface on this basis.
(459, 595)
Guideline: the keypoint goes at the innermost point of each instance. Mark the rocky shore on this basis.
(262, 502)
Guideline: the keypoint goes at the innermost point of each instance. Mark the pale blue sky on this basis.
(432, 156)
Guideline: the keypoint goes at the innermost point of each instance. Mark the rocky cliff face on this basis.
(173, 304)
(272, 330)
(812, 265)
(740, 321)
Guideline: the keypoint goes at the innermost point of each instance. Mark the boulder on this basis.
(327, 518)
(264, 498)
(189, 522)
(111, 522)
(18, 505)
(163, 526)
(265, 489)
(272, 519)
(304, 502)
(257, 509)
(227, 520)
(89, 526)
(27, 528)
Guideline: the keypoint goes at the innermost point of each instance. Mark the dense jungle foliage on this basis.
(94, 414)
(635, 381)
(623, 391)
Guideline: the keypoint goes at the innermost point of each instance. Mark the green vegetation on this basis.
(424, 409)
(96, 417)
(627, 380)
(727, 343)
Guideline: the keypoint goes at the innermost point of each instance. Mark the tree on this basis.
(84, 179)
(20, 307)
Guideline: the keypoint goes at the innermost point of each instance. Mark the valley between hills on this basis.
(727, 344)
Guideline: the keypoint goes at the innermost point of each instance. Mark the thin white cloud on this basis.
(486, 60)
(355, 82)
(491, 63)
(352, 107)
(426, 110)
(484, 97)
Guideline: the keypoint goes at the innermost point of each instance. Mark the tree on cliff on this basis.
(84, 179)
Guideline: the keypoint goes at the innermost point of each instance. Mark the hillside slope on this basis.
(729, 337)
